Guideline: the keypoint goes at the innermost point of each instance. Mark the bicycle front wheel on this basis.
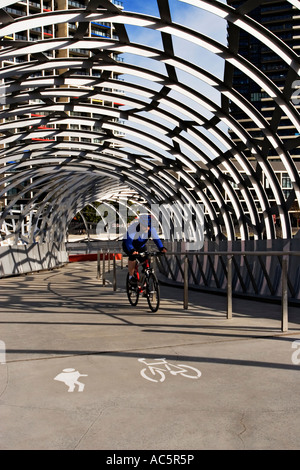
(153, 293)
(132, 292)
(154, 373)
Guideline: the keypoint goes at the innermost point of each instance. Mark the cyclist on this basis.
(135, 242)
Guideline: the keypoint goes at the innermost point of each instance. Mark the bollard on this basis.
(186, 284)
(114, 273)
(103, 269)
(229, 288)
(98, 265)
(284, 295)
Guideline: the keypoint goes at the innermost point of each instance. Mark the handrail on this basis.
(230, 255)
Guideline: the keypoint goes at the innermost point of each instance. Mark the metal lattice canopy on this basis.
(167, 139)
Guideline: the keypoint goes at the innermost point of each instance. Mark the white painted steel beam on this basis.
(152, 136)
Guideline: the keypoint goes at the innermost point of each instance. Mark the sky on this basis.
(187, 15)
(194, 18)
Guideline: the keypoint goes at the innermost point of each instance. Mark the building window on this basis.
(286, 181)
(258, 96)
(286, 185)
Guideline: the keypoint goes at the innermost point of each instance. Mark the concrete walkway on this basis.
(63, 325)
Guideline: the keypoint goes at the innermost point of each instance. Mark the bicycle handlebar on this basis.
(150, 253)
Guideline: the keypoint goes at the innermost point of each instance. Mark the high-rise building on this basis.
(282, 19)
(88, 134)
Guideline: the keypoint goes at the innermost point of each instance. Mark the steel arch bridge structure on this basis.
(167, 143)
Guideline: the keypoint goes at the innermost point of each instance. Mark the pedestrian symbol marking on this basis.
(70, 378)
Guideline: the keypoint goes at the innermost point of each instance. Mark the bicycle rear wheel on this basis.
(133, 292)
(153, 293)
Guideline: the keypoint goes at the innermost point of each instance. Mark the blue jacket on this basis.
(135, 240)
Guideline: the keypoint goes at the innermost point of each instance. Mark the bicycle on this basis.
(147, 283)
(154, 369)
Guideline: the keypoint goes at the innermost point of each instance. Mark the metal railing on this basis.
(104, 258)
(162, 263)
(231, 261)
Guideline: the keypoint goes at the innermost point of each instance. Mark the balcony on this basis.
(35, 5)
(15, 12)
(20, 37)
(73, 3)
(99, 33)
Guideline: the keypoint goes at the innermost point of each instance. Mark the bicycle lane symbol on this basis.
(155, 371)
